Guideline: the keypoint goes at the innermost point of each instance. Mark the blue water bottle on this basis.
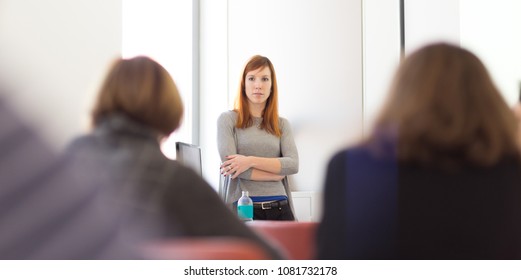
(245, 207)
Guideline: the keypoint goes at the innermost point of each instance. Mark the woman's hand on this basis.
(235, 165)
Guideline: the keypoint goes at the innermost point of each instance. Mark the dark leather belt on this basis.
(270, 204)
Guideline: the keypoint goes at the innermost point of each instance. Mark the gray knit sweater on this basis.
(179, 202)
(253, 141)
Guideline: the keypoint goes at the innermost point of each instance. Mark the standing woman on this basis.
(256, 145)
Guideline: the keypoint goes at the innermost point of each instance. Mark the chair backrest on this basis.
(205, 248)
(295, 239)
(224, 183)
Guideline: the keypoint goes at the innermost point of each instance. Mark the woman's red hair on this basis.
(270, 115)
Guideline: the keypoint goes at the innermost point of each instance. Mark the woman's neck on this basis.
(257, 109)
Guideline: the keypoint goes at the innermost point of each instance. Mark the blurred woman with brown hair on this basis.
(439, 177)
(137, 106)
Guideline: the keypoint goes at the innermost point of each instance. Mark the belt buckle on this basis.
(265, 205)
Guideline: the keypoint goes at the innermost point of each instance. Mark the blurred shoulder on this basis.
(82, 146)
(187, 180)
(81, 141)
(352, 153)
(339, 157)
(182, 172)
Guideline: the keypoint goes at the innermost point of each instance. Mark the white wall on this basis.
(214, 86)
(381, 39)
(488, 28)
(316, 49)
(491, 29)
(53, 54)
(428, 21)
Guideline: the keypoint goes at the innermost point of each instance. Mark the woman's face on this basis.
(258, 85)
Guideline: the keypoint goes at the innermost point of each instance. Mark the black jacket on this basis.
(375, 208)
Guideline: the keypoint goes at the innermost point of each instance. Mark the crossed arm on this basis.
(255, 168)
(263, 169)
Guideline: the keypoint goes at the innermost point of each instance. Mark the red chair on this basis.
(205, 248)
(295, 239)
